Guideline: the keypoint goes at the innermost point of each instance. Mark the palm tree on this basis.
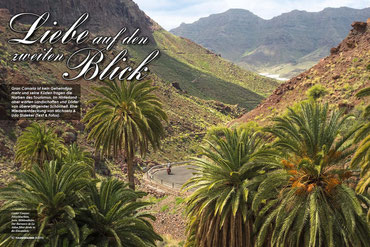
(38, 144)
(53, 194)
(76, 154)
(362, 155)
(219, 210)
(307, 202)
(126, 117)
(114, 216)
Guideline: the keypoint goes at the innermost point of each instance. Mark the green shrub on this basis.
(164, 208)
(215, 131)
(250, 126)
(316, 92)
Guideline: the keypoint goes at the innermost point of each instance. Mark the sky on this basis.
(171, 13)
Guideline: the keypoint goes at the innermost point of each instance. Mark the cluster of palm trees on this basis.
(75, 210)
(291, 184)
(73, 207)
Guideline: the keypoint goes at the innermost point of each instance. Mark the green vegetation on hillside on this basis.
(203, 74)
(196, 57)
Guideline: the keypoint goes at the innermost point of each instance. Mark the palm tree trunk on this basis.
(130, 170)
(130, 154)
(130, 173)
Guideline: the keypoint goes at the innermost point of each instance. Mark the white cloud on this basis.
(170, 14)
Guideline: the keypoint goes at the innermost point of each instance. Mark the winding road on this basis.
(179, 175)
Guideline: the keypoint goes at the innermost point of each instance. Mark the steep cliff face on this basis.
(343, 73)
(230, 33)
(105, 15)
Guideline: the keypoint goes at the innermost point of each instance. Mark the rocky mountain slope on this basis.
(188, 115)
(198, 88)
(287, 44)
(195, 74)
(106, 16)
(342, 74)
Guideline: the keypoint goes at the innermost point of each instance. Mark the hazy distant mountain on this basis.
(286, 44)
(343, 74)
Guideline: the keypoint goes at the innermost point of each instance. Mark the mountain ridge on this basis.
(116, 13)
(342, 74)
(276, 45)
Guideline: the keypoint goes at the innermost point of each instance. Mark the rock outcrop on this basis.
(105, 15)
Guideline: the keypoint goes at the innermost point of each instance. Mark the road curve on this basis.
(179, 175)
